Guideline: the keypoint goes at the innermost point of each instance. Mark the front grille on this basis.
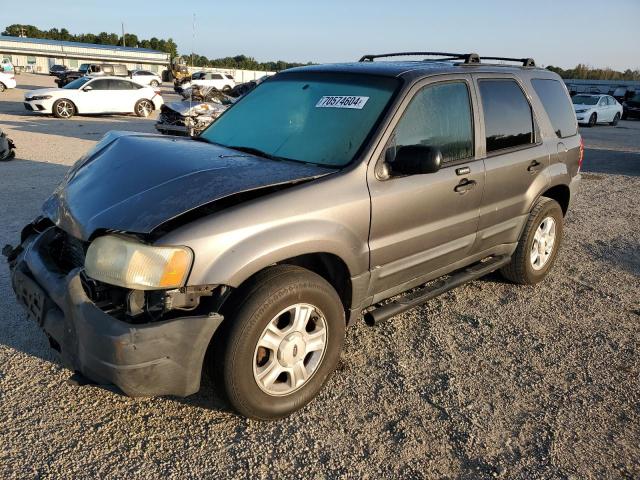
(66, 252)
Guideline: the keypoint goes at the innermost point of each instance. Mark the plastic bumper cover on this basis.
(160, 358)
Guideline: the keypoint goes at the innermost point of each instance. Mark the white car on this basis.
(221, 81)
(95, 95)
(596, 108)
(145, 77)
(7, 80)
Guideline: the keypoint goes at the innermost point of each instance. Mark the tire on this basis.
(154, 83)
(63, 108)
(260, 382)
(523, 269)
(2, 87)
(143, 108)
(624, 115)
(226, 88)
(615, 121)
(593, 119)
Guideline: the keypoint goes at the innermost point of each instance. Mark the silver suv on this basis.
(318, 196)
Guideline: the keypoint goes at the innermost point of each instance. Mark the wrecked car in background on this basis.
(200, 107)
(7, 147)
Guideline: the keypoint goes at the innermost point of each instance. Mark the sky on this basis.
(603, 33)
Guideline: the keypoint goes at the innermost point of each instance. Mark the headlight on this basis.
(130, 264)
(40, 97)
(581, 111)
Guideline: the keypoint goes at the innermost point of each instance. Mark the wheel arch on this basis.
(561, 194)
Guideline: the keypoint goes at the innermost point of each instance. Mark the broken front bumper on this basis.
(159, 358)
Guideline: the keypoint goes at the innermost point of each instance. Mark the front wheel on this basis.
(538, 246)
(2, 87)
(143, 108)
(615, 121)
(285, 335)
(593, 119)
(64, 109)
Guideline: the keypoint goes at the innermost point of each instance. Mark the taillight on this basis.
(581, 153)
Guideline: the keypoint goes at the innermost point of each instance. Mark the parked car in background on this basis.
(7, 80)
(6, 66)
(631, 108)
(97, 69)
(7, 147)
(67, 77)
(145, 77)
(57, 69)
(90, 95)
(593, 109)
(220, 81)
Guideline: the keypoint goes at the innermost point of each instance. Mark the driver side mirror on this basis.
(416, 160)
(88, 88)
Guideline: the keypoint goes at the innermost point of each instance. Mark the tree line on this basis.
(131, 40)
(584, 72)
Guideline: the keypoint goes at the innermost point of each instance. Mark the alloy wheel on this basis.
(290, 349)
(543, 243)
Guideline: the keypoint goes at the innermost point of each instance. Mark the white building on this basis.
(38, 54)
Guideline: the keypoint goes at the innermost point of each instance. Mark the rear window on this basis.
(554, 98)
(508, 120)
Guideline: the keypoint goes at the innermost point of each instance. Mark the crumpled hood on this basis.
(136, 182)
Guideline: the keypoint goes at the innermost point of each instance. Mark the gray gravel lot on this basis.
(490, 380)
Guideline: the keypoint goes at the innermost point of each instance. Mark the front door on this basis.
(94, 97)
(425, 222)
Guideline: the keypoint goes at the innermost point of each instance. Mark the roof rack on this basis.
(469, 58)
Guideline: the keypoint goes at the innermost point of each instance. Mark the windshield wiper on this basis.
(256, 151)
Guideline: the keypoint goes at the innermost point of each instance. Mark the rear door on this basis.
(125, 94)
(515, 158)
(426, 222)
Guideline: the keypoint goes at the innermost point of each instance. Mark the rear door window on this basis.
(100, 85)
(556, 102)
(508, 119)
(439, 116)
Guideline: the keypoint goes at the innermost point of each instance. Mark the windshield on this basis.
(585, 100)
(84, 67)
(77, 83)
(316, 118)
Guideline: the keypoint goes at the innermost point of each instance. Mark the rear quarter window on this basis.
(556, 102)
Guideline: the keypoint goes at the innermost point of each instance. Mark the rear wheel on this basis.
(538, 246)
(286, 330)
(63, 108)
(143, 108)
(615, 121)
(593, 119)
(154, 83)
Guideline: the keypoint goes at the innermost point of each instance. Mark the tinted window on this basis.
(439, 116)
(120, 85)
(584, 100)
(100, 85)
(230, 77)
(216, 76)
(508, 121)
(554, 98)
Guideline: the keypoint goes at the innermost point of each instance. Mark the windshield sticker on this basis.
(342, 101)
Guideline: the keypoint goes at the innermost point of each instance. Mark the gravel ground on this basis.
(490, 380)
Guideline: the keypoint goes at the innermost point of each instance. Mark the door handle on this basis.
(534, 166)
(464, 186)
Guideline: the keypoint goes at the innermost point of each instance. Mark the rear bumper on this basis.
(160, 358)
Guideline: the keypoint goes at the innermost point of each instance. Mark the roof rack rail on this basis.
(467, 57)
(526, 62)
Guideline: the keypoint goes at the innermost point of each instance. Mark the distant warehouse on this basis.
(38, 54)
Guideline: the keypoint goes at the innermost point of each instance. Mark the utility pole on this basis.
(123, 42)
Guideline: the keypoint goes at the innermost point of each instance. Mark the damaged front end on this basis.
(7, 147)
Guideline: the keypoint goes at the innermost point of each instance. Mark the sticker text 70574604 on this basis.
(342, 101)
